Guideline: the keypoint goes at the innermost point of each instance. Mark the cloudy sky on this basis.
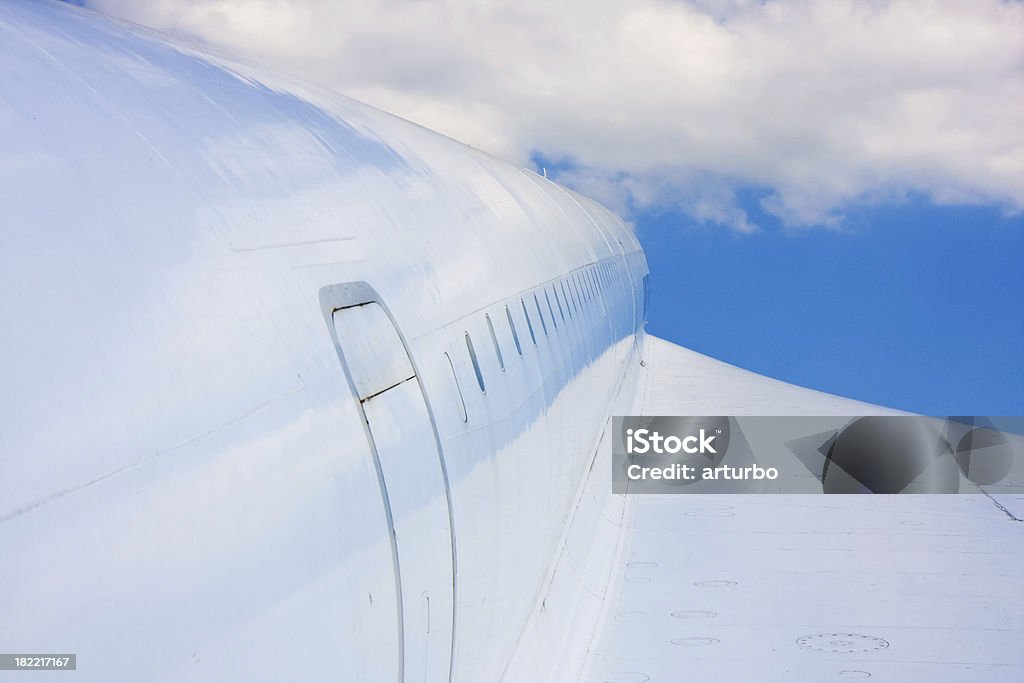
(861, 149)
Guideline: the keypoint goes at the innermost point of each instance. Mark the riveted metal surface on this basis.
(842, 642)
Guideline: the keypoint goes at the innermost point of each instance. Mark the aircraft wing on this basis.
(805, 587)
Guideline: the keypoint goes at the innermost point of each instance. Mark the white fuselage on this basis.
(202, 270)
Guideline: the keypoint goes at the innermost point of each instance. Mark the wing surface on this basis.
(790, 587)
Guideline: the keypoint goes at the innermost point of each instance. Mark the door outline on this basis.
(349, 295)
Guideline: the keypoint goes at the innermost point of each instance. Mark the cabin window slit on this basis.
(475, 362)
(515, 335)
(540, 315)
(551, 309)
(529, 323)
(494, 340)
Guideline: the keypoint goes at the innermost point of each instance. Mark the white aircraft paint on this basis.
(231, 304)
(730, 587)
(189, 487)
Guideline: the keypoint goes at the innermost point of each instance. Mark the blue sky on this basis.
(907, 304)
(849, 222)
(914, 306)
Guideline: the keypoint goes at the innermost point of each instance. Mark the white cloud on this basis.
(675, 104)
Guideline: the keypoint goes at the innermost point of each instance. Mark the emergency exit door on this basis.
(412, 484)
